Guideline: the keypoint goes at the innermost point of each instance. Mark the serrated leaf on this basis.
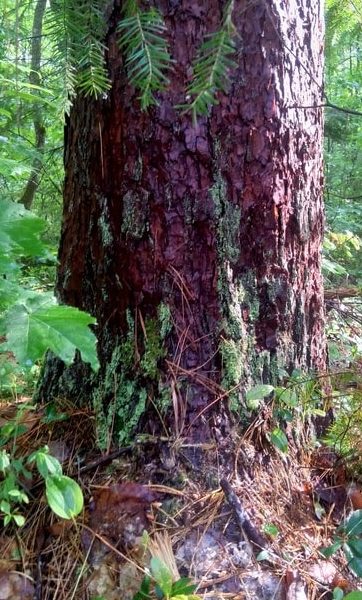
(279, 439)
(20, 230)
(64, 496)
(162, 575)
(183, 585)
(38, 325)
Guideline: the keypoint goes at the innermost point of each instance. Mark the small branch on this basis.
(343, 197)
(105, 460)
(258, 541)
(327, 104)
(346, 292)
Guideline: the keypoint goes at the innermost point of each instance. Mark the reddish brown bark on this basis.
(221, 221)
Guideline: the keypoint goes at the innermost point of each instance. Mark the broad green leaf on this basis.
(332, 549)
(38, 324)
(19, 520)
(354, 596)
(354, 562)
(353, 525)
(20, 230)
(355, 545)
(162, 575)
(64, 496)
(288, 396)
(338, 594)
(5, 507)
(256, 394)
(46, 464)
(279, 439)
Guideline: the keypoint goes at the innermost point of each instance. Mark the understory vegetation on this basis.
(308, 428)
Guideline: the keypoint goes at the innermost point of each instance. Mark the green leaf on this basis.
(279, 439)
(19, 520)
(18, 496)
(258, 393)
(332, 549)
(353, 524)
(162, 575)
(144, 591)
(355, 545)
(354, 562)
(5, 507)
(38, 324)
(47, 464)
(4, 460)
(20, 230)
(288, 396)
(271, 529)
(183, 585)
(338, 594)
(64, 496)
(354, 596)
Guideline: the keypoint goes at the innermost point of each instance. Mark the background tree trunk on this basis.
(198, 247)
(32, 185)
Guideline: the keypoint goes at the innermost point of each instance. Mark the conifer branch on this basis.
(78, 31)
(211, 68)
(147, 57)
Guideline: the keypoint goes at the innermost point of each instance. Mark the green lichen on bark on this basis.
(153, 349)
(126, 398)
(232, 370)
(135, 214)
(164, 319)
(120, 399)
(227, 219)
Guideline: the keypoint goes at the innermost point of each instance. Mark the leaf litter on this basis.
(190, 524)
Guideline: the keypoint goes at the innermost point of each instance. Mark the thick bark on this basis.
(217, 226)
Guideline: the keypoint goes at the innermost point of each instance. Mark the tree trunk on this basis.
(198, 247)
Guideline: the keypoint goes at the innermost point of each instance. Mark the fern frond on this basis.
(211, 68)
(147, 57)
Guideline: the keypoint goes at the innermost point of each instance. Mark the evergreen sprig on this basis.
(211, 68)
(78, 30)
(147, 56)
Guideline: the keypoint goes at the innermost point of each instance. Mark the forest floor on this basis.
(238, 516)
(258, 535)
